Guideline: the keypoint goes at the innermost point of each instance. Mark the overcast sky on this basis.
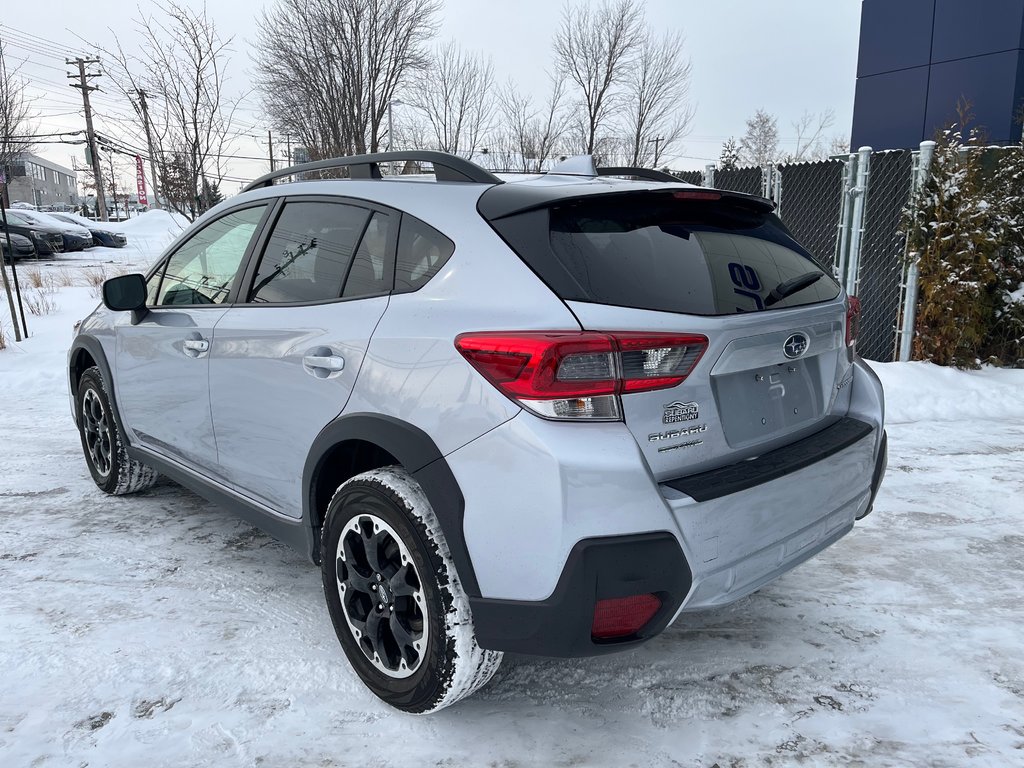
(786, 57)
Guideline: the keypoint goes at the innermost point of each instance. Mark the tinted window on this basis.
(308, 253)
(422, 251)
(653, 251)
(202, 270)
(372, 268)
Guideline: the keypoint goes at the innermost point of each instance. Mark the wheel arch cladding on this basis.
(357, 442)
(87, 352)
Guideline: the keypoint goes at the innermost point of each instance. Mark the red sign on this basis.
(140, 178)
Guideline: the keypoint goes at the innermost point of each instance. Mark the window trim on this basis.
(254, 257)
(161, 266)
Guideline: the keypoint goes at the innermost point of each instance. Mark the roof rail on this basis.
(446, 167)
(641, 173)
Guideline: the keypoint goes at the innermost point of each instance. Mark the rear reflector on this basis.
(623, 616)
(580, 374)
(852, 320)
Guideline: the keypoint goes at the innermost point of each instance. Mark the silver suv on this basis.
(549, 415)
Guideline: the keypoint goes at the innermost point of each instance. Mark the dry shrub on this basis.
(39, 301)
(3, 338)
(64, 278)
(34, 278)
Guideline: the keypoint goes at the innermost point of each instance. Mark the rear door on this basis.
(696, 262)
(287, 355)
(162, 362)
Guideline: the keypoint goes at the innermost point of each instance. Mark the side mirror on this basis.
(126, 293)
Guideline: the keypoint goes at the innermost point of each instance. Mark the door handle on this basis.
(196, 345)
(329, 363)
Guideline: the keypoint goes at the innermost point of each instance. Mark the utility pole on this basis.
(270, 141)
(155, 203)
(656, 141)
(288, 144)
(90, 134)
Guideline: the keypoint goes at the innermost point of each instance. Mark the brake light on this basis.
(696, 194)
(852, 320)
(580, 374)
(623, 616)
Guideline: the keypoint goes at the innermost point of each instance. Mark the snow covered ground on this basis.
(159, 630)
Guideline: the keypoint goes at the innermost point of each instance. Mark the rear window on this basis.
(655, 251)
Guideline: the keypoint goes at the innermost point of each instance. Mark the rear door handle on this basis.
(328, 363)
(199, 346)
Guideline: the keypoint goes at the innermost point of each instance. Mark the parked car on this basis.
(547, 416)
(20, 244)
(101, 236)
(47, 240)
(76, 238)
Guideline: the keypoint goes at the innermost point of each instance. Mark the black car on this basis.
(47, 240)
(76, 237)
(20, 244)
(103, 237)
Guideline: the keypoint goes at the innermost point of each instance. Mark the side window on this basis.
(422, 251)
(202, 270)
(372, 267)
(308, 253)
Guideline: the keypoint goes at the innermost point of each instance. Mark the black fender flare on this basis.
(95, 350)
(418, 454)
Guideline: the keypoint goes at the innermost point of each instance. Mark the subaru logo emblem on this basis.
(795, 346)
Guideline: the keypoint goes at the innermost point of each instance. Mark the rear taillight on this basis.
(623, 616)
(580, 374)
(852, 320)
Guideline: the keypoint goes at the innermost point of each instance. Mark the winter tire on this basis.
(395, 598)
(102, 442)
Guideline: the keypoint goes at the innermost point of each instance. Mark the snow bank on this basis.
(922, 391)
(151, 223)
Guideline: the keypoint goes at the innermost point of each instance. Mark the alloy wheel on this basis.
(96, 426)
(382, 596)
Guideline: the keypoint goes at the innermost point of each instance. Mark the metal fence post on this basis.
(860, 195)
(766, 182)
(924, 161)
(777, 190)
(842, 254)
(709, 175)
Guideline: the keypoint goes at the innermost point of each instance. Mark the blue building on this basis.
(919, 57)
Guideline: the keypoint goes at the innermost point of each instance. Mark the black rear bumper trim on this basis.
(774, 464)
(596, 569)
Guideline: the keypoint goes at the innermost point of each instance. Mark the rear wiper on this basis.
(791, 286)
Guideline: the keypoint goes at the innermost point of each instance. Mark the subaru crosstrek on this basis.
(548, 415)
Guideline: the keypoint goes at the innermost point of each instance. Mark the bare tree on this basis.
(658, 109)
(15, 112)
(760, 144)
(182, 65)
(328, 69)
(454, 93)
(595, 48)
(531, 133)
(810, 136)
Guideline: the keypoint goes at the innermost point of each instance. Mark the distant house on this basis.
(42, 183)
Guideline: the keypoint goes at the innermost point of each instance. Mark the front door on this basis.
(162, 363)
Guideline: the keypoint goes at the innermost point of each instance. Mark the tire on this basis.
(412, 644)
(102, 442)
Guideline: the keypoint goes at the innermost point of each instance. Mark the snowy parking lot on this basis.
(160, 630)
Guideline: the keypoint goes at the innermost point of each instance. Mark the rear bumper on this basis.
(711, 552)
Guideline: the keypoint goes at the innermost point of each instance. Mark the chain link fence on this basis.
(880, 278)
(810, 203)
